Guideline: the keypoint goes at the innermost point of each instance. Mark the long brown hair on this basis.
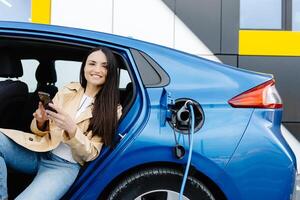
(104, 121)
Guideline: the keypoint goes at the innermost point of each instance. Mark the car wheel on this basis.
(159, 184)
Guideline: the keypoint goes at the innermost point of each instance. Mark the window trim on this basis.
(143, 62)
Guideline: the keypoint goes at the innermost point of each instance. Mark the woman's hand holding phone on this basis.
(41, 116)
(62, 120)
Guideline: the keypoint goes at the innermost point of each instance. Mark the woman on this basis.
(85, 119)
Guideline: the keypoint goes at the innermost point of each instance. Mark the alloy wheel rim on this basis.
(161, 195)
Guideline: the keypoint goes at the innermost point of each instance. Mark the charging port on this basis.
(181, 116)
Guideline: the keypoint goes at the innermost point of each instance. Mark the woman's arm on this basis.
(119, 111)
(40, 123)
(84, 147)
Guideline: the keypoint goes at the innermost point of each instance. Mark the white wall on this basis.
(149, 20)
(88, 14)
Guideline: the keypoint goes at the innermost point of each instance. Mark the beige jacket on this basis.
(85, 147)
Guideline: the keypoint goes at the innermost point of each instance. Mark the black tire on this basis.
(157, 184)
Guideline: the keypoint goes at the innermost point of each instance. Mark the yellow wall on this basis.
(41, 11)
(269, 43)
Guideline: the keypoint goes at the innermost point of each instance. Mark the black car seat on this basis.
(13, 93)
(46, 78)
(126, 96)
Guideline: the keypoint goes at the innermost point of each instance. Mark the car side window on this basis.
(67, 71)
(124, 79)
(29, 68)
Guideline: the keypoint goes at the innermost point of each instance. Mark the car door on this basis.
(27, 43)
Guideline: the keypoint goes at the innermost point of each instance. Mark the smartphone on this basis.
(45, 99)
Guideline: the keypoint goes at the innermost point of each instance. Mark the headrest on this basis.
(10, 66)
(129, 86)
(45, 72)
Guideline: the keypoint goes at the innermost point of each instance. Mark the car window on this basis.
(29, 68)
(67, 71)
(124, 78)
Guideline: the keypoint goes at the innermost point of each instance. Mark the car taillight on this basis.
(261, 96)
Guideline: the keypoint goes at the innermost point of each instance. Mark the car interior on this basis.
(18, 95)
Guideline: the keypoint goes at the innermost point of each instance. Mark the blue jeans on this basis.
(54, 175)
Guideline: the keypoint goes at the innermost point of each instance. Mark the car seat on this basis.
(126, 96)
(13, 93)
(46, 78)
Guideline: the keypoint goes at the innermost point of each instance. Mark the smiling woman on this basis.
(95, 72)
(99, 68)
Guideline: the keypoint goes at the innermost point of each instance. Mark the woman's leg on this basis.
(17, 158)
(55, 176)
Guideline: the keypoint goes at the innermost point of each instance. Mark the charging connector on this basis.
(186, 118)
(191, 135)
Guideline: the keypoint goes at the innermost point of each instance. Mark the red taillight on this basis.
(262, 96)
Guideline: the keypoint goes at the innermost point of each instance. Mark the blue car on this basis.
(180, 112)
